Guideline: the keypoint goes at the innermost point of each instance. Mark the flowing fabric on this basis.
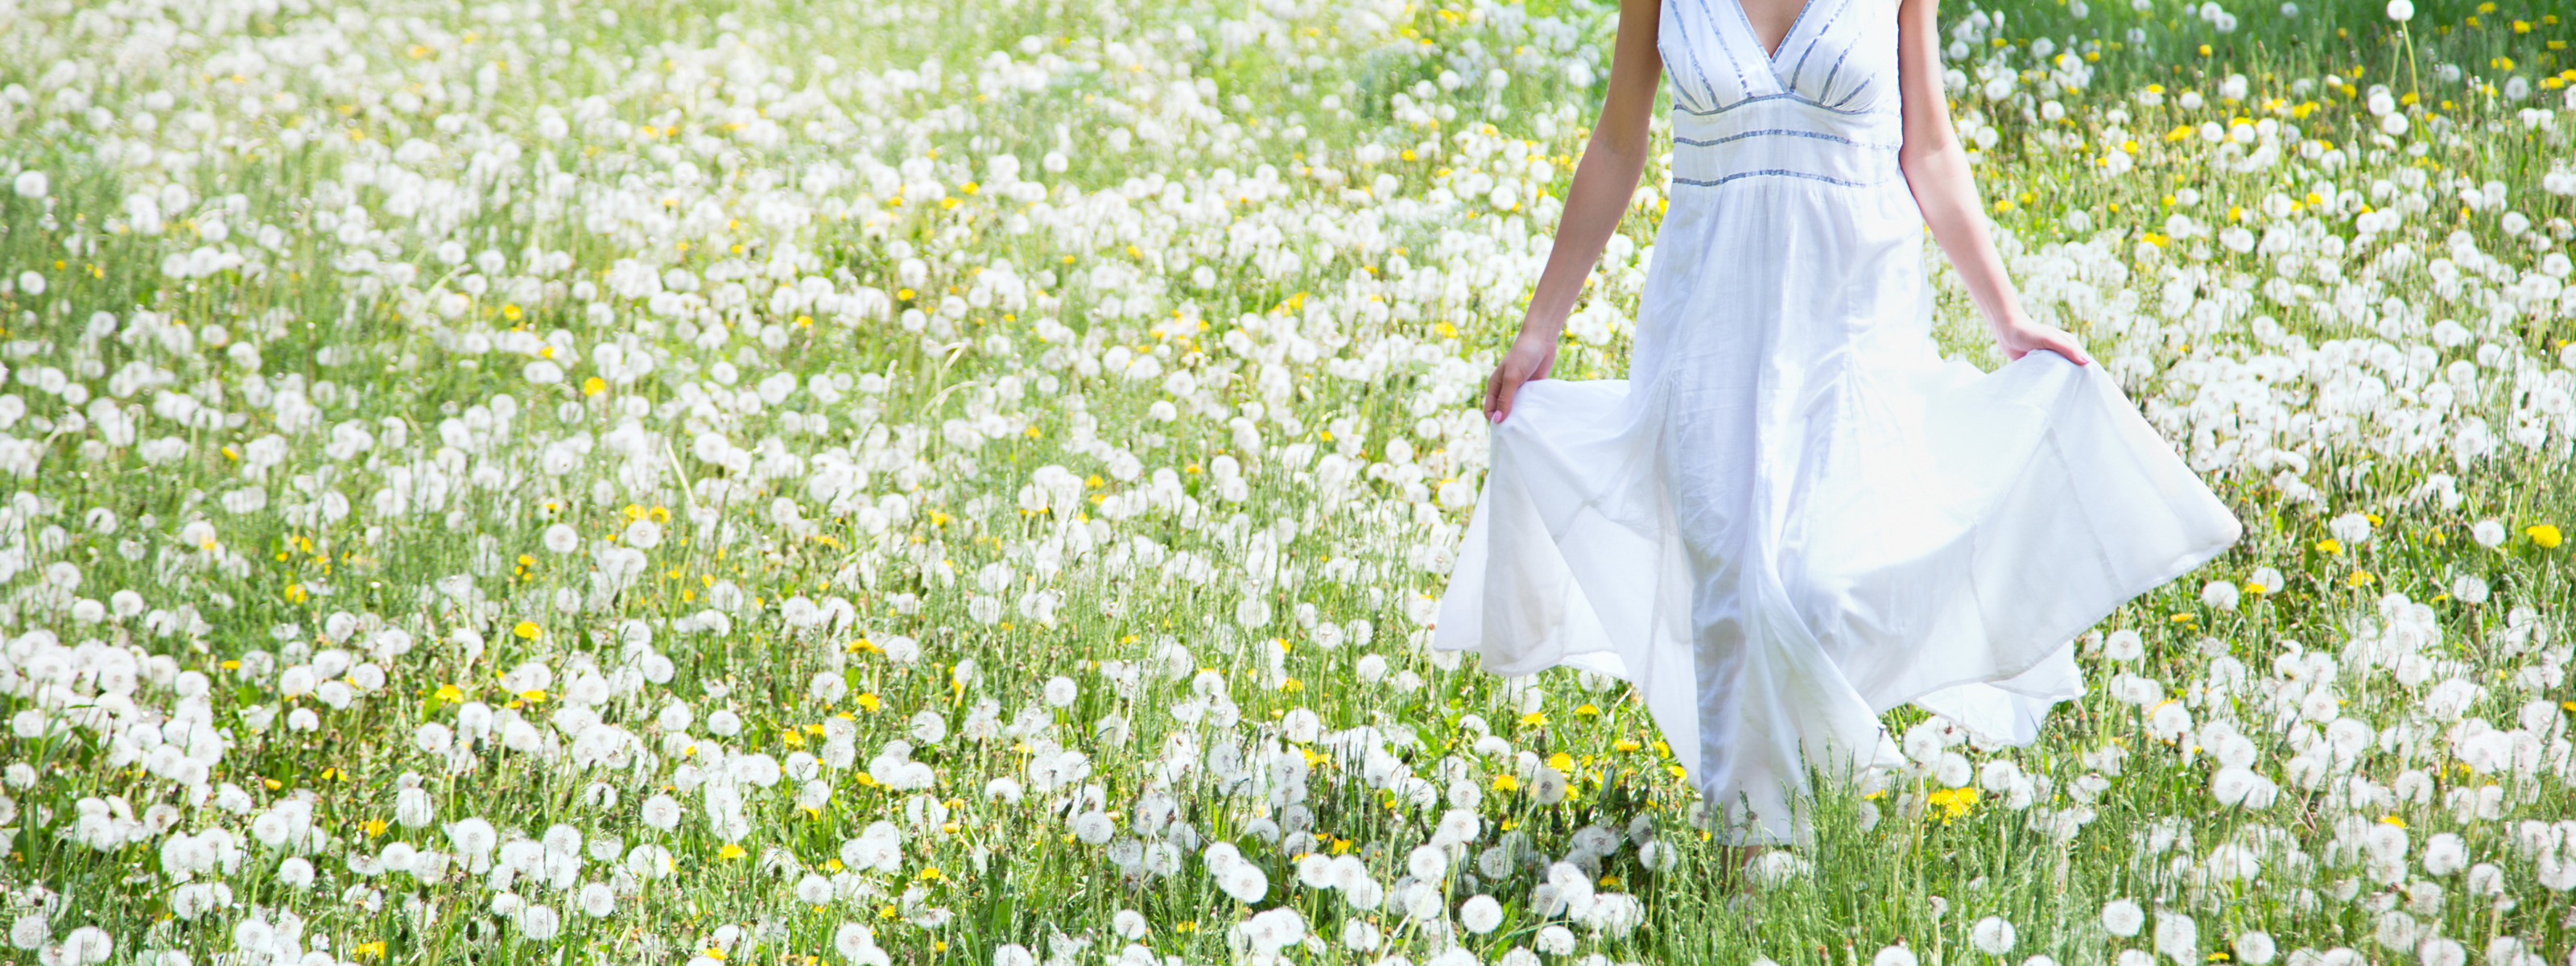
(1794, 515)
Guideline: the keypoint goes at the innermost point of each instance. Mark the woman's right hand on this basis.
(1529, 358)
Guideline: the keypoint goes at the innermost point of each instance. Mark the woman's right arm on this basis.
(1604, 181)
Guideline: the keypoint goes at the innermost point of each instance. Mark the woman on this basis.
(1793, 515)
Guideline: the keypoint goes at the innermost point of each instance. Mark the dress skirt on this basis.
(1795, 515)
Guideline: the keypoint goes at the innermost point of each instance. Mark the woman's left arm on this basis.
(1936, 168)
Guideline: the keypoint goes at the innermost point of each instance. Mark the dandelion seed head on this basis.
(2123, 918)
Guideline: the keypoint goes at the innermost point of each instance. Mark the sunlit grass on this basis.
(283, 514)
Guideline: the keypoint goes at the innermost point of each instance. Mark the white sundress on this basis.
(1794, 515)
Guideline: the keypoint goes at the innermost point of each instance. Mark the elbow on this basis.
(1623, 150)
(1928, 150)
(1623, 132)
(1625, 129)
(1632, 155)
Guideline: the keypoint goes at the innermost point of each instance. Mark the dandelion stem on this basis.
(2414, 84)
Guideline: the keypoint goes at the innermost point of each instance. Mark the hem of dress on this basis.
(2183, 565)
(2176, 569)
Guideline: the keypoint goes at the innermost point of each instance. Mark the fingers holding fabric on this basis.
(2022, 340)
(1526, 360)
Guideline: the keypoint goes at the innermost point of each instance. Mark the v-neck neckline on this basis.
(1772, 56)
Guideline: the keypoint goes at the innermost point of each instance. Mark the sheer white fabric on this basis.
(1794, 515)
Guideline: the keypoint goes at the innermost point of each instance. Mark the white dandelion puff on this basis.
(813, 890)
(2178, 938)
(661, 812)
(1992, 935)
(2123, 918)
(1481, 914)
(2255, 948)
(2124, 645)
(1428, 863)
(1094, 828)
(2488, 533)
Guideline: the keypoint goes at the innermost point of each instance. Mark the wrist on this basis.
(2007, 322)
(1541, 330)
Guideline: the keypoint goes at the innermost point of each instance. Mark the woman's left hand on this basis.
(2024, 338)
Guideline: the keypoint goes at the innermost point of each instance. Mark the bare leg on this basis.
(1731, 862)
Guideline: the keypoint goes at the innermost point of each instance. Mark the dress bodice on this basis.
(1823, 108)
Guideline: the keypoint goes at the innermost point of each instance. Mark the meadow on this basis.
(893, 482)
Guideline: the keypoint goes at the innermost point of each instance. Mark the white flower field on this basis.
(898, 482)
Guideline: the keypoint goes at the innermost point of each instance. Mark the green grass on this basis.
(1890, 869)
